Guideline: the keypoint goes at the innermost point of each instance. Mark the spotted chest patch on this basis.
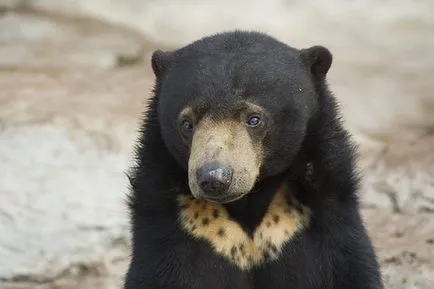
(211, 222)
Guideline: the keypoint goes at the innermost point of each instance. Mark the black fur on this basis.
(333, 252)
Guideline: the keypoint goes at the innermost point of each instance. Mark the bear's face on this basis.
(233, 117)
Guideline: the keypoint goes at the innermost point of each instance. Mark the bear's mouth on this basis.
(224, 199)
(224, 163)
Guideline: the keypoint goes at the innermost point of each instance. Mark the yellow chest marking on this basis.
(211, 222)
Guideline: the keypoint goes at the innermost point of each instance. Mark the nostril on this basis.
(212, 186)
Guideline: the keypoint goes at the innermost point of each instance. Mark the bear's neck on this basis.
(250, 210)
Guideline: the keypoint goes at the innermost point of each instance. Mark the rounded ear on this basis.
(160, 62)
(318, 59)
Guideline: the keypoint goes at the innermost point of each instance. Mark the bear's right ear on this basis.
(160, 62)
(318, 59)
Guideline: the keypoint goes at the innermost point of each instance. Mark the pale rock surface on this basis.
(69, 117)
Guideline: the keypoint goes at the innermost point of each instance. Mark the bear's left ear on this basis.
(318, 59)
(160, 62)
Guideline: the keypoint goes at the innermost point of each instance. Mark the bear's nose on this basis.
(214, 178)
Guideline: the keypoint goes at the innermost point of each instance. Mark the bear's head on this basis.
(234, 108)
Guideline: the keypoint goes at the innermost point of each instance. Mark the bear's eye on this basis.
(253, 121)
(186, 126)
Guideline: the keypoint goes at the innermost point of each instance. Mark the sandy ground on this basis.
(72, 93)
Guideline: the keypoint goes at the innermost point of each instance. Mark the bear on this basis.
(245, 177)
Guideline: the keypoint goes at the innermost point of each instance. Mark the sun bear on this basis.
(245, 176)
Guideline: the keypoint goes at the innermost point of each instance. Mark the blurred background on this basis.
(74, 75)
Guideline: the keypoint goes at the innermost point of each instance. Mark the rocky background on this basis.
(74, 75)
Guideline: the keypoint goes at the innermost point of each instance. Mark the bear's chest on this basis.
(212, 222)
